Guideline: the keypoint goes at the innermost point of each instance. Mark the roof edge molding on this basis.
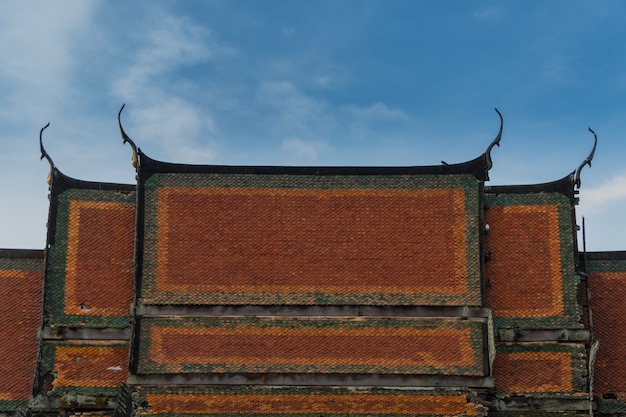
(125, 138)
(479, 167)
(562, 186)
(587, 161)
(150, 166)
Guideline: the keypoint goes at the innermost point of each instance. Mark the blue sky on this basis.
(341, 82)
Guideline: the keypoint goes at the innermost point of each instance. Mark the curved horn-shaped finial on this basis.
(44, 154)
(127, 139)
(587, 161)
(495, 142)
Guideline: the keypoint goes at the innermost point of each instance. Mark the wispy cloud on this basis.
(488, 13)
(593, 200)
(184, 131)
(603, 208)
(296, 112)
(555, 69)
(176, 42)
(38, 41)
(303, 151)
(165, 115)
(377, 111)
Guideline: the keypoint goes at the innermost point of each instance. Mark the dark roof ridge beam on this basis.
(479, 167)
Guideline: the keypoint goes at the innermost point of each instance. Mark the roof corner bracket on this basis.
(496, 141)
(587, 161)
(134, 161)
(44, 154)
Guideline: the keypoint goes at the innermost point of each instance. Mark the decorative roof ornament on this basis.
(496, 141)
(134, 160)
(587, 161)
(44, 154)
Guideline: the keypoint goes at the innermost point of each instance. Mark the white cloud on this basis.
(303, 151)
(594, 200)
(176, 129)
(555, 69)
(377, 111)
(38, 40)
(297, 113)
(323, 80)
(174, 43)
(161, 113)
(488, 13)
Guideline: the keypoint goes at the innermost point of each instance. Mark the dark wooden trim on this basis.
(563, 186)
(542, 335)
(476, 167)
(314, 310)
(606, 256)
(22, 253)
(357, 380)
(80, 333)
(545, 405)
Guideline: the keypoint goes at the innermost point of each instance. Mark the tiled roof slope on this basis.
(346, 279)
(294, 237)
(312, 291)
(312, 345)
(88, 276)
(531, 275)
(302, 245)
(542, 369)
(339, 402)
(607, 282)
(21, 282)
(96, 368)
(532, 285)
(89, 270)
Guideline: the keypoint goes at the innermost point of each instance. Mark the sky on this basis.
(313, 82)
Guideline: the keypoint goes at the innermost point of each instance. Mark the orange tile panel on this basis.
(256, 347)
(99, 265)
(308, 240)
(608, 290)
(531, 372)
(20, 319)
(90, 366)
(525, 266)
(290, 404)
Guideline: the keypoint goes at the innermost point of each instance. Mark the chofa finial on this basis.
(587, 161)
(44, 154)
(125, 138)
(495, 142)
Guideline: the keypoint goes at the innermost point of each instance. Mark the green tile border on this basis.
(606, 265)
(21, 264)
